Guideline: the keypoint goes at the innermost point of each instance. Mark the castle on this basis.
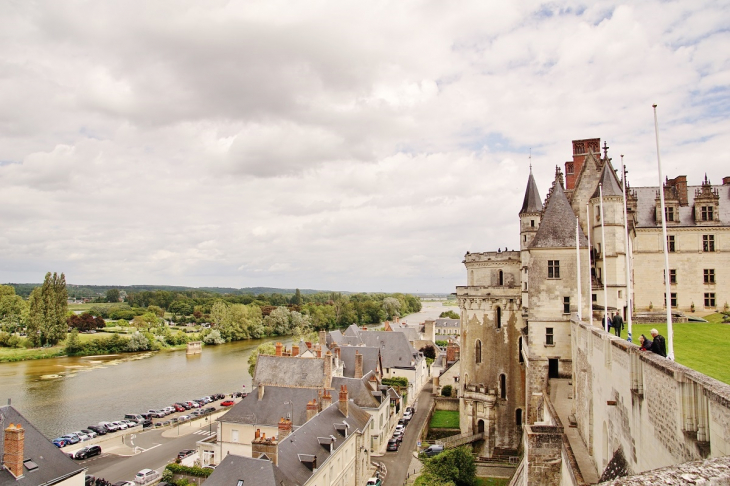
(520, 314)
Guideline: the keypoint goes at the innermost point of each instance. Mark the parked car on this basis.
(185, 453)
(183, 418)
(209, 410)
(86, 452)
(146, 416)
(109, 426)
(374, 482)
(81, 435)
(137, 418)
(179, 408)
(184, 405)
(98, 429)
(400, 428)
(196, 413)
(146, 424)
(432, 450)
(71, 438)
(393, 445)
(227, 403)
(90, 433)
(398, 436)
(169, 410)
(89, 480)
(61, 442)
(407, 416)
(146, 476)
(121, 425)
(156, 413)
(193, 404)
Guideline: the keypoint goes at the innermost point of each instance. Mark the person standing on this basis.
(606, 322)
(618, 324)
(659, 345)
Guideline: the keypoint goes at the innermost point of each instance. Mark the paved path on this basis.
(400, 464)
(561, 397)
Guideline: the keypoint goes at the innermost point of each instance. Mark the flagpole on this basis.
(603, 273)
(668, 290)
(590, 278)
(577, 259)
(626, 248)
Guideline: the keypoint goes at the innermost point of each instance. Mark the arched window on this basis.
(499, 317)
(518, 417)
(501, 278)
(478, 352)
(502, 386)
(519, 350)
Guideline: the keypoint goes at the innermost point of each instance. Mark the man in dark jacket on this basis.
(659, 345)
(617, 323)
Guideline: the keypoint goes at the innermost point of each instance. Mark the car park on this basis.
(393, 445)
(433, 450)
(227, 403)
(146, 476)
(86, 452)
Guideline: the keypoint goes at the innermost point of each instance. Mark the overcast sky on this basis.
(360, 146)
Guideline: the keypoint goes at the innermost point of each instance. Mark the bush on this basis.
(213, 337)
(138, 342)
(190, 471)
(449, 314)
(446, 391)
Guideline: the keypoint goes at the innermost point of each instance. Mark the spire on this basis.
(557, 228)
(611, 185)
(532, 202)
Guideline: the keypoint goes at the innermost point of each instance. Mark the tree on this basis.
(391, 306)
(48, 307)
(428, 351)
(214, 337)
(449, 314)
(265, 348)
(297, 298)
(446, 391)
(112, 295)
(73, 343)
(138, 342)
(13, 309)
(156, 310)
(454, 466)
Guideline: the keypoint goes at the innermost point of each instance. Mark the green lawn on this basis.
(22, 354)
(492, 481)
(445, 419)
(701, 346)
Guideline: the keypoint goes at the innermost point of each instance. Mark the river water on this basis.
(60, 395)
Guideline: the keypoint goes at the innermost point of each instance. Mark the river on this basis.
(60, 395)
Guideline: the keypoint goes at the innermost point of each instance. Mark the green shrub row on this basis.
(190, 471)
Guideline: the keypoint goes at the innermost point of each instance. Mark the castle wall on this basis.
(658, 412)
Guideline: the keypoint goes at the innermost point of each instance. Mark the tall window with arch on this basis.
(503, 386)
(478, 352)
(501, 278)
(519, 350)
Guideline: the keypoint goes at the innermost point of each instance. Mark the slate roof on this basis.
(395, 350)
(340, 339)
(557, 227)
(258, 472)
(272, 406)
(304, 440)
(410, 332)
(532, 202)
(444, 322)
(289, 371)
(53, 465)
(358, 389)
(610, 183)
(370, 359)
(647, 202)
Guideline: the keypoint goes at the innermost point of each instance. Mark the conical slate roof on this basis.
(532, 202)
(557, 228)
(609, 181)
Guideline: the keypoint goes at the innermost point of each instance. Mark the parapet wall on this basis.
(658, 412)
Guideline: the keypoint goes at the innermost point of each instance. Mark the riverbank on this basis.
(13, 355)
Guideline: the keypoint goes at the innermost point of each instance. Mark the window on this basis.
(669, 213)
(672, 275)
(709, 299)
(670, 243)
(532, 223)
(553, 268)
(499, 317)
(709, 275)
(708, 242)
(518, 417)
(549, 336)
(673, 296)
(503, 386)
(569, 168)
(619, 294)
(501, 277)
(519, 350)
(524, 239)
(478, 352)
(234, 435)
(707, 213)
(594, 298)
(566, 305)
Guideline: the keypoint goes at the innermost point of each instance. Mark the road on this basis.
(397, 463)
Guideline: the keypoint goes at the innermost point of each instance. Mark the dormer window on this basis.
(669, 213)
(707, 213)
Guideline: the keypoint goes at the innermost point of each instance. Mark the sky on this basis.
(334, 145)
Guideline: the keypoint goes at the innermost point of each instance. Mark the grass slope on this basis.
(444, 419)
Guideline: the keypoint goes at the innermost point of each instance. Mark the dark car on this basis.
(86, 452)
(146, 424)
(98, 429)
(185, 453)
(184, 405)
(209, 410)
(89, 480)
(393, 445)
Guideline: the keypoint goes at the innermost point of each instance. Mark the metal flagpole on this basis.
(603, 272)
(590, 278)
(626, 248)
(668, 296)
(577, 259)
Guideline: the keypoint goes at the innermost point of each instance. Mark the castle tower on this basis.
(530, 215)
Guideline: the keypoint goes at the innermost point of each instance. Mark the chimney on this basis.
(581, 148)
(261, 391)
(726, 181)
(319, 351)
(14, 445)
(358, 365)
(322, 338)
(452, 352)
(328, 370)
(261, 445)
(309, 345)
(278, 348)
(343, 400)
(284, 428)
(364, 328)
(326, 400)
(257, 434)
(295, 350)
(311, 409)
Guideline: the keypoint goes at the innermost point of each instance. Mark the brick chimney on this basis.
(358, 365)
(452, 352)
(311, 409)
(344, 402)
(322, 338)
(261, 445)
(581, 148)
(295, 350)
(337, 353)
(284, 428)
(328, 370)
(326, 400)
(14, 445)
(309, 345)
(726, 181)
(279, 346)
(680, 185)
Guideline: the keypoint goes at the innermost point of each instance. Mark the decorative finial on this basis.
(530, 160)
(605, 150)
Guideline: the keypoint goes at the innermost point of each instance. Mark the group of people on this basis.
(657, 344)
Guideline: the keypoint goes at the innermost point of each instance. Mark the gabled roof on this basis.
(557, 227)
(53, 464)
(358, 391)
(370, 359)
(395, 350)
(532, 202)
(609, 182)
(289, 371)
(258, 472)
(272, 406)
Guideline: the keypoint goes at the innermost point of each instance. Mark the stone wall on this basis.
(659, 412)
(443, 403)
